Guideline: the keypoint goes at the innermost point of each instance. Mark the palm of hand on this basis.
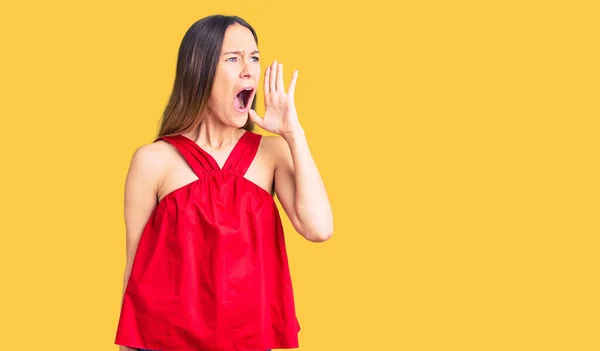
(280, 110)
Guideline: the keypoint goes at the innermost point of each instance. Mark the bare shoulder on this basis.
(153, 155)
(276, 147)
(152, 160)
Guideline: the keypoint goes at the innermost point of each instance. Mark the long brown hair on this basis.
(197, 61)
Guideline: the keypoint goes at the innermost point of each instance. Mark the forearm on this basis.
(311, 203)
(125, 279)
(124, 288)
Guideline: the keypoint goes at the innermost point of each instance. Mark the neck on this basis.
(213, 134)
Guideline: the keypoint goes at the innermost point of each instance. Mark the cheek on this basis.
(225, 86)
(257, 70)
(220, 81)
(219, 93)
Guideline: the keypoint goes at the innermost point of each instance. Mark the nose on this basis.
(245, 72)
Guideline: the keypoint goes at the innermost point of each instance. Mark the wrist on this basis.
(293, 134)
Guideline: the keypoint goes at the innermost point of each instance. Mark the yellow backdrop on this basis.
(458, 141)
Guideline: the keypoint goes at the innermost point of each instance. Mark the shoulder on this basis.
(152, 159)
(276, 147)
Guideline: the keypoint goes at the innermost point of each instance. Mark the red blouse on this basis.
(211, 270)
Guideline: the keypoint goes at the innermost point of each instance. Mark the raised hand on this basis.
(280, 110)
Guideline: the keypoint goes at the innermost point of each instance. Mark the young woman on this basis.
(206, 264)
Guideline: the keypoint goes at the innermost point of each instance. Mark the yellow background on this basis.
(458, 141)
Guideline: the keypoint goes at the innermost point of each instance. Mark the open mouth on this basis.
(242, 99)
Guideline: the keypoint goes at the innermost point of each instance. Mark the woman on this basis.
(206, 262)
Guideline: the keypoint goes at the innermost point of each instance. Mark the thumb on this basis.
(255, 117)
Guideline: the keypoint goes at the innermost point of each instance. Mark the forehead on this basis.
(238, 37)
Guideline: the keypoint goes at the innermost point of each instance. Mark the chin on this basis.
(240, 121)
(234, 120)
(236, 123)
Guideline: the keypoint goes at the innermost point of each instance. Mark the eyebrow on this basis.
(239, 52)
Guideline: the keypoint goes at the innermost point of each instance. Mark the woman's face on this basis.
(236, 78)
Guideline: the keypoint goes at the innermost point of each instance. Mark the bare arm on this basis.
(139, 200)
(298, 183)
(300, 189)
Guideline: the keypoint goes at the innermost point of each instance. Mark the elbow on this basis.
(319, 235)
(315, 230)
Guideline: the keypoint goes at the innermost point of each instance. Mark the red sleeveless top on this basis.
(211, 270)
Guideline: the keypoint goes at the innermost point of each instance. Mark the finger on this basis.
(254, 117)
(273, 76)
(266, 81)
(280, 86)
(292, 89)
(267, 87)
